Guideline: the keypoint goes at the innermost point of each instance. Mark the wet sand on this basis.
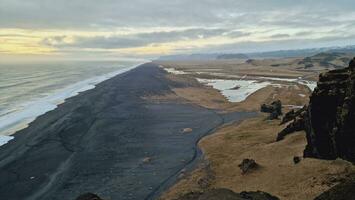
(109, 141)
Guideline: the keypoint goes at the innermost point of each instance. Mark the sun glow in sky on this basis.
(149, 28)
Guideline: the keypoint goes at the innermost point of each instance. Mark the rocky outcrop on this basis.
(275, 109)
(331, 116)
(291, 115)
(299, 123)
(226, 194)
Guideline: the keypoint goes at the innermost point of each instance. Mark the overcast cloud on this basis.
(200, 25)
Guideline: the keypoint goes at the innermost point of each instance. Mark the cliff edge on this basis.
(330, 126)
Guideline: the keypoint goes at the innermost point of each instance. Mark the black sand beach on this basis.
(97, 141)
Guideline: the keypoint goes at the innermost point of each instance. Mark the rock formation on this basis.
(299, 123)
(330, 125)
(291, 115)
(329, 120)
(275, 109)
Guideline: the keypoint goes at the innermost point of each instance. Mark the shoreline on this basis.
(195, 161)
(18, 120)
(98, 141)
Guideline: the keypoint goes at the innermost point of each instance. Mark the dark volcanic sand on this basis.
(96, 142)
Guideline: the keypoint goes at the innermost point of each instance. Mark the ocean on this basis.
(30, 89)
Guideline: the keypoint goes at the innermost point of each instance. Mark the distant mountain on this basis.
(330, 60)
(212, 56)
(232, 56)
(302, 52)
(347, 49)
(189, 57)
(260, 55)
(287, 53)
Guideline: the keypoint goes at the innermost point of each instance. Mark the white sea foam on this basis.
(235, 90)
(5, 139)
(17, 119)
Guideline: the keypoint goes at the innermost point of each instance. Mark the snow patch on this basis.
(310, 84)
(173, 71)
(235, 90)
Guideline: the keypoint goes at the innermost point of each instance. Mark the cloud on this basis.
(132, 40)
(280, 36)
(200, 25)
(85, 14)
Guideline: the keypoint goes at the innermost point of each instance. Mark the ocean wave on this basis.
(12, 120)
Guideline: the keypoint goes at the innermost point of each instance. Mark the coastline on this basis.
(99, 141)
(18, 120)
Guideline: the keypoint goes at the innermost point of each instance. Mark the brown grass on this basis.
(254, 139)
(278, 175)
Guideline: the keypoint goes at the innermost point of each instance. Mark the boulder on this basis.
(247, 165)
(186, 130)
(275, 109)
(296, 159)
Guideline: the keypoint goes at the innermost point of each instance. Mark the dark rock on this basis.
(226, 194)
(88, 196)
(331, 131)
(291, 115)
(248, 165)
(273, 116)
(298, 124)
(288, 117)
(275, 109)
(237, 87)
(296, 159)
(257, 196)
(250, 61)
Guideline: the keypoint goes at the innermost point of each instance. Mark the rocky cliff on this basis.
(330, 123)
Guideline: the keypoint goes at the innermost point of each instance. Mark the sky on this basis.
(105, 29)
